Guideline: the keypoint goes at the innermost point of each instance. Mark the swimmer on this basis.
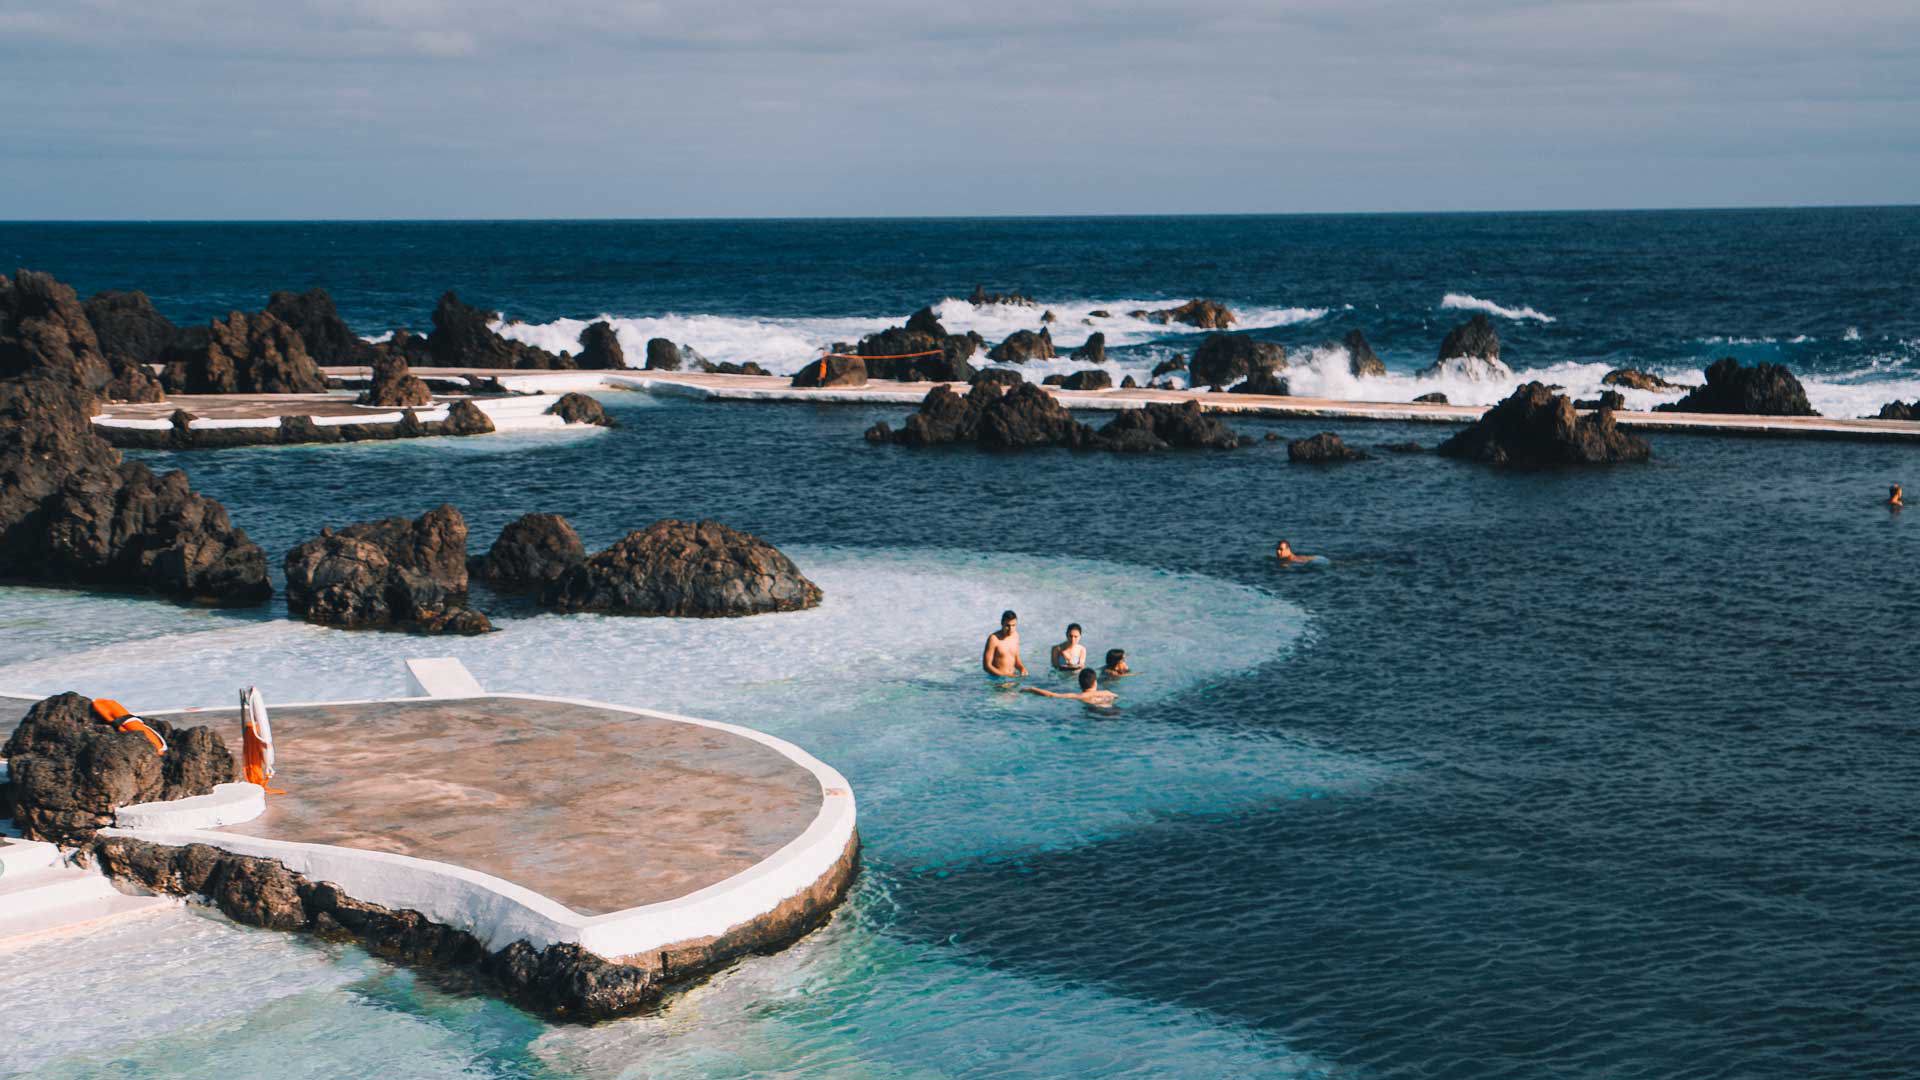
(1893, 498)
(1070, 655)
(1002, 654)
(1090, 691)
(1116, 665)
(1287, 556)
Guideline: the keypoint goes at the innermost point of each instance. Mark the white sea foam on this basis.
(1852, 334)
(784, 345)
(1465, 302)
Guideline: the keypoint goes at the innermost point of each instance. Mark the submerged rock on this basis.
(245, 354)
(327, 337)
(1361, 359)
(980, 297)
(1323, 449)
(1435, 398)
(577, 408)
(1224, 359)
(394, 385)
(1185, 426)
(533, 551)
(1022, 346)
(600, 348)
(72, 513)
(1760, 390)
(684, 568)
(395, 573)
(463, 336)
(71, 771)
(1205, 314)
(1535, 426)
(1635, 379)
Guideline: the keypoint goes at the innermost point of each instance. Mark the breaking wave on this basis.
(1463, 302)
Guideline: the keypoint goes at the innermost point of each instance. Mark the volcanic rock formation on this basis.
(396, 573)
(1536, 427)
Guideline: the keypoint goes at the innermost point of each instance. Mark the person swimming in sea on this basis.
(1002, 654)
(1090, 691)
(1116, 665)
(1894, 500)
(1070, 655)
(1287, 556)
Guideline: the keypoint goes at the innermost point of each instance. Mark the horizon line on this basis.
(1036, 216)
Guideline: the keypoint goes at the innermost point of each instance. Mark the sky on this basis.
(236, 109)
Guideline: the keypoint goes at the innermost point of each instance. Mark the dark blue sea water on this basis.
(1605, 773)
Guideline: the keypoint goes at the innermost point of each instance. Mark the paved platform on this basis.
(598, 809)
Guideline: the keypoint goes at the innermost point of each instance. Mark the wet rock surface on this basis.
(1094, 351)
(71, 771)
(1022, 346)
(600, 349)
(1470, 351)
(532, 551)
(1537, 427)
(1325, 448)
(1731, 387)
(662, 355)
(831, 371)
(245, 354)
(391, 574)
(1635, 379)
(684, 568)
(1224, 359)
(577, 408)
(1435, 398)
(1362, 362)
(1899, 410)
(130, 328)
(44, 329)
(1091, 379)
(1206, 314)
(1026, 417)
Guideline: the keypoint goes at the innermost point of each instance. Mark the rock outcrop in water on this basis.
(533, 551)
(327, 337)
(1022, 346)
(600, 348)
(684, 568)
(394, 385)
(662, 355)
(1470, 351)
(44, 329)
(1224, 359)
(1093, 351)
(1362, 362)
(463, 336)
(73, 514)
(245, 354)
(577, 408)
(1090, 379)
(1537, 427)
(1635, 379)
(1026, 417)
(1435, 398)
(1760, 390)
(980, 297)
(900, 353)
(1205, 314)
(1325, 448)
(1898, 410)
(391, 574)
(70, 771)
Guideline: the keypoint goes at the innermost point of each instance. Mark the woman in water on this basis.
(1070, 655)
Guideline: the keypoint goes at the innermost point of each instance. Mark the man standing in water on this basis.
(1002, 654)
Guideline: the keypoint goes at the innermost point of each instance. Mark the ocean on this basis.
(1587, 773)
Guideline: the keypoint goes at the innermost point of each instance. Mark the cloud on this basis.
(571, 108)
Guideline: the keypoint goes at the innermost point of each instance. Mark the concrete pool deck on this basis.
(879, 392)
(664, 845)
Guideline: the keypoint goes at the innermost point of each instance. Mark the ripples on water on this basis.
(1599, 773)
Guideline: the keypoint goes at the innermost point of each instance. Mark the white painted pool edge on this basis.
(499, 912)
